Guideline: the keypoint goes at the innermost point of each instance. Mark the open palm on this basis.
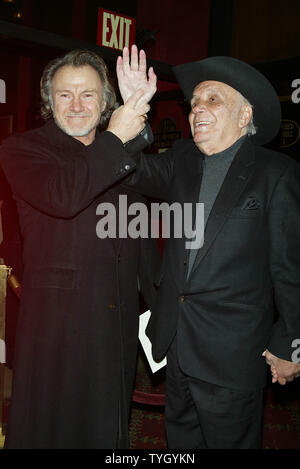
(132, 75)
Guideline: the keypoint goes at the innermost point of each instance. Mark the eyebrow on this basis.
(89, 90)
(213, 89)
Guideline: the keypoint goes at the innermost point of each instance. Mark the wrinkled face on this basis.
(77, 101)
(218, 116)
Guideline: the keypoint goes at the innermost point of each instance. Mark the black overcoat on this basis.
(223, 314)
(77, 333)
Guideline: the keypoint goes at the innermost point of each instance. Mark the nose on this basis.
(76, 104)
(198, 107)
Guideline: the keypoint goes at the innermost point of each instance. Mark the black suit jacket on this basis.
(223, 314)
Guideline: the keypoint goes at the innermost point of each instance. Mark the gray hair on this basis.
(78, 58)
(251, 128)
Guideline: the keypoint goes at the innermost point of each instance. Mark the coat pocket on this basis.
(244, 213)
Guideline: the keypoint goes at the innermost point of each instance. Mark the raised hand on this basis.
(128, 120)
(132, 75)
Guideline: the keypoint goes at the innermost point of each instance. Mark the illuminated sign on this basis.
(115, 30)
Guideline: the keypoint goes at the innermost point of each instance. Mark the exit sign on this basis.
(115, 30)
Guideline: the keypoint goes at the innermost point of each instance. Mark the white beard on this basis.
(83, 132)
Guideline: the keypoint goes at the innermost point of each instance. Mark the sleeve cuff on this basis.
(141, 141)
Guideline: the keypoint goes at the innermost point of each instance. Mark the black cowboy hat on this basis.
(246, 80)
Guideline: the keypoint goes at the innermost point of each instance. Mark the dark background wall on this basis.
(264, 33)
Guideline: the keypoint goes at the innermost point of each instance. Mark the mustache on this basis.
(77, 114)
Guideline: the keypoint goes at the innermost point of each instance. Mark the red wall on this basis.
(182, 37)
(183, 33)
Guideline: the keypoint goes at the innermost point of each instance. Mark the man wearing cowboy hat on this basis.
(214, 315)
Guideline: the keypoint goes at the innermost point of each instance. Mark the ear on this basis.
(245, 116)
(103, 106)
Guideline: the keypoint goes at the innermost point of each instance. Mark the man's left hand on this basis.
(282, 370)
(132, 75)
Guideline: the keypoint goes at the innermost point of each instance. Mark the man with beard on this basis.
(77, 332)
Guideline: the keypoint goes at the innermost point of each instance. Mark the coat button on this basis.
(181, 298)
(112, 306)
(127, 167)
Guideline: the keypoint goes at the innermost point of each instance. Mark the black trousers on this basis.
(204, 415)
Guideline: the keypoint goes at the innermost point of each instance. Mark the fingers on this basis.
(274, 371)
(268, 355)
(119, 67)
(143, 61)
(134, 62)
(135, 101)
(282, 371)
(144, 118)
(275, 377)
(281, 381)
(142, 113)
(123, 63)
(152, 76)
(126, 65)
(128, 120)
(137, 61)
(125, 123)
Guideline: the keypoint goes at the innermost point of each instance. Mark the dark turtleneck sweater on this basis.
(215, 168)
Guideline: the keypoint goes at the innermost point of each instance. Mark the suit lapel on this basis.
(192, 173)
(234, 183)
(187, 191)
